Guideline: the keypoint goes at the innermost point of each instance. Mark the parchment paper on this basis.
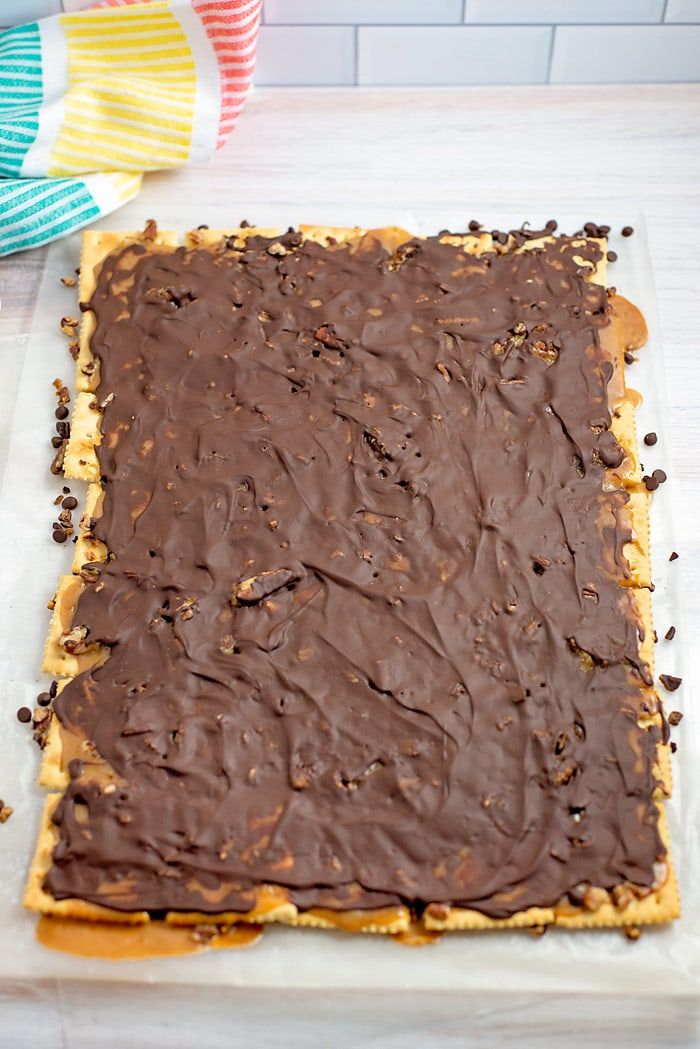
(664, 961)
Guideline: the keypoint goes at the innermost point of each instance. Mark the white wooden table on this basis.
(498, 154)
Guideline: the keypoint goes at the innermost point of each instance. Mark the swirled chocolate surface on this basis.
(368, 635)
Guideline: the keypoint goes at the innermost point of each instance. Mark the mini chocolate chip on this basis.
(659, 476)
(612, 256)
(474, 226)
(65, 490)
(674, 747)
(650, 483)
(670, 633)
(629, 357)
(650, 438)
(627, 231)
(43, 699)
(674, 556)
(24, 715)
(675, 718)
(59, 536)
(670, 682)
(551, 225)
(61, 412)
(69, 503)
(56, 442)
(656, 637)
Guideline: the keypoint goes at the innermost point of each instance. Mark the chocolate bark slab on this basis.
(325, 342)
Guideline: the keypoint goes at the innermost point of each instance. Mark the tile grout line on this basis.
(357, 56)
(663, 13)
(474, 25)
(550, 56)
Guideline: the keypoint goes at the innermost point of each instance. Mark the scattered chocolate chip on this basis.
(43, 699)
(627, 231)
(674, 556)
(650, 438)
(630, 358)
(244, 224)
(59, 536)
(56, 442)
(612, 256)
(474, 226)
(659, 476)
(650, 483)
(674, 747)
(24, 715)
(61, 412)
(552, 225)
(656, 637)
(65, 490)
(670, 633)
(69, 503)
(675, 718)
(670, 682)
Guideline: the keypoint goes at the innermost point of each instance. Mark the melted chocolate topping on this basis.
(368, 638)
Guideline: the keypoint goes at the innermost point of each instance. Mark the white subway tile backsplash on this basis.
(561, 11)
(463, 55)
(683, 11)
(625, 54)
(363, 12)
(301, 55)
(15, 12)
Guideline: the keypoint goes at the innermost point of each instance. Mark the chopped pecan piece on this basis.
(257, 587)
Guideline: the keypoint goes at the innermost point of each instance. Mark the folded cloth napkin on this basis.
(90, 100)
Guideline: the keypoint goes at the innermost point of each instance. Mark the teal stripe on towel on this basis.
(21, 93)
(42, 217)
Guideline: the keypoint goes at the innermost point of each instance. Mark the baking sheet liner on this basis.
(664, 960)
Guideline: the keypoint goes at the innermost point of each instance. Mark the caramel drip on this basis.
(155, 939)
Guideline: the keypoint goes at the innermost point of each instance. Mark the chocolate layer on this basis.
(368, 634)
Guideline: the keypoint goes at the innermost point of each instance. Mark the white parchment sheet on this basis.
(664, 961)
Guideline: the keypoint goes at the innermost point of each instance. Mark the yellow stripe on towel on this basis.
(131, 94)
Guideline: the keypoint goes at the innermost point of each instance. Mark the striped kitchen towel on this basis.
(92, 99)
